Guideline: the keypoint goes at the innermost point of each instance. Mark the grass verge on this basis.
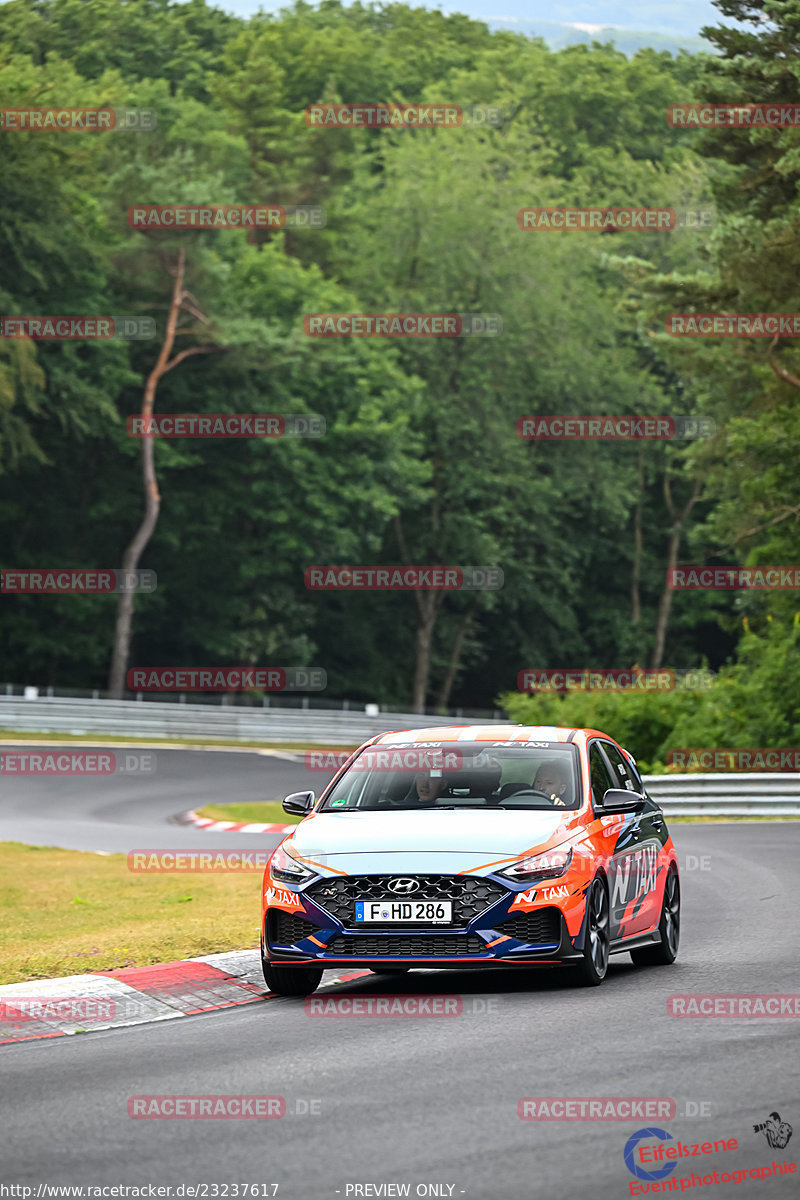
(266, 811)
(29, 739)
(272, 811)
(66, 912)
(717, 820)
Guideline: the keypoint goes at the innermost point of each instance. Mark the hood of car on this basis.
(427, 839)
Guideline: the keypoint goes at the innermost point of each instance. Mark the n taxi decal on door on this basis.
(634, 875)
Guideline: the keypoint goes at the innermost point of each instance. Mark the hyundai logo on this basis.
(403, 886)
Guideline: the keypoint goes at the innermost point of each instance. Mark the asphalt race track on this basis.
(120, 812)
(418, 1101)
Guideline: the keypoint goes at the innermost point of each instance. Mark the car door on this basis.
(638, 855)
(602, 778)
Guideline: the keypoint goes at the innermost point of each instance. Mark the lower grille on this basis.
(471, 894)
(410, 947)
(541, 925)
(287, 928)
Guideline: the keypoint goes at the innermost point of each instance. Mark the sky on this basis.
(682, 17)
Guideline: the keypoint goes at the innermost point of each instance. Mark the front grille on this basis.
(470, 895)
(541, 925)
(287, 928)
(409, 947)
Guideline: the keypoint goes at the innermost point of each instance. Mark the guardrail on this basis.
(131, 718)
(741, 795)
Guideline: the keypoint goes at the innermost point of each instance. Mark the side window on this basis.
(636, 776)
(601, 780)
(620, 767)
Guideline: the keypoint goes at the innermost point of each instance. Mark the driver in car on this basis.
(423, 792)
(551, 778)
(427, 786)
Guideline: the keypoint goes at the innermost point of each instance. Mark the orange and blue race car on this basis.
(473, 846)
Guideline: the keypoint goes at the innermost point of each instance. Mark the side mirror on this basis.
(618, 800)
(299, 803)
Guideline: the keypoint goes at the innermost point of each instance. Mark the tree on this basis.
(492, 498)
(181, 303)
(180, 43)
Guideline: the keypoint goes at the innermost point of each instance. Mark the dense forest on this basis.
(421, 461)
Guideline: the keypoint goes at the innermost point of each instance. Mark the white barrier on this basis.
(740, 795)
(683, 795)
(321, 727)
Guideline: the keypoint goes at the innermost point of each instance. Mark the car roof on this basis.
(489, 733)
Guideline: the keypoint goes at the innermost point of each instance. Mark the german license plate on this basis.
(422, 912)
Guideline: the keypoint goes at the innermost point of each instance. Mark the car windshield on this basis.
(446, 775)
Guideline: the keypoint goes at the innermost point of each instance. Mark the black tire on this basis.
(597, 941)
(291, 981)
(669, 927)
(389, 970)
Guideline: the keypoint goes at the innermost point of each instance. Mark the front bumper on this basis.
(486, 929)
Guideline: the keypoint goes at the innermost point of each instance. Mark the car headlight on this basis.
(284, 869)
(549, 865)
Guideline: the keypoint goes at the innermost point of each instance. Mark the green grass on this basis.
(713, 820)
(28, 739)
(272, 811)
(258, 810)
(67, 912)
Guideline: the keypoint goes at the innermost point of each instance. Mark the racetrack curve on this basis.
(120, 812)
(418, 1100)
